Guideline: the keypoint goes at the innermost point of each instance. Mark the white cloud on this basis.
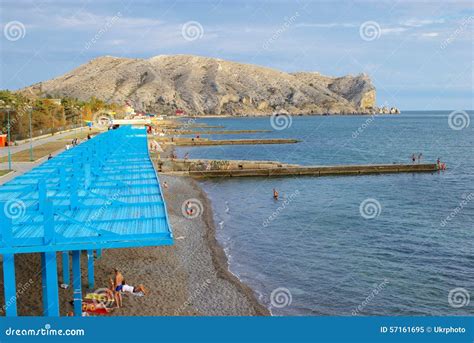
(81, 20)
(115, 42)
(327, 25)
(416, 22)
(393, 30)
(430, 34)
(88, 21)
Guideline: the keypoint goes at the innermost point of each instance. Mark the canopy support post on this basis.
(90, 268)
(76, 274)
(49, 277)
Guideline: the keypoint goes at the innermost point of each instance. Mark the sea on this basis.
(367, 245)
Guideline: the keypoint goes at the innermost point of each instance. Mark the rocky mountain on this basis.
(201, 85)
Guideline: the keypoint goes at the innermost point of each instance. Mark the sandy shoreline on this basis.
(189, 278)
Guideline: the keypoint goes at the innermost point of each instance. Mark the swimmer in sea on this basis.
(275, 194)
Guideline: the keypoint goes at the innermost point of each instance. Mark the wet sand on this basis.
(189, 278)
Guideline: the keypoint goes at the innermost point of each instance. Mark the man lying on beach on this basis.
(133, 290)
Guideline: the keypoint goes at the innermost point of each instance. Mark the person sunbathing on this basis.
(131, 289)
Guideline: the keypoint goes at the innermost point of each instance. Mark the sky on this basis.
(419, 54)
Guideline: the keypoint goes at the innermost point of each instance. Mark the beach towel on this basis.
(101, 297)
(92, 308)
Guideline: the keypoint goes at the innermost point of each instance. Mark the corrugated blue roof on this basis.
(104, 193)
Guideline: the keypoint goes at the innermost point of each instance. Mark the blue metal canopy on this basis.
(103, 193)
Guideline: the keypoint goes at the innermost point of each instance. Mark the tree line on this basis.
(48, 115)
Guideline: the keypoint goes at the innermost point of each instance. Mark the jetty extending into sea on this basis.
(232, 168)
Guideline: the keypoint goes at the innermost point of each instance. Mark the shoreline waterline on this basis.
(219, 256)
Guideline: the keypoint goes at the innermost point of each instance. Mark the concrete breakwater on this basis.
(190, 166)
(201, 142)
(235, 168)
(318, 171)
(230, 168)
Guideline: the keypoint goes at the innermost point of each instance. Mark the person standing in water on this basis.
(275, 194)
(420, 155)
(413, 158)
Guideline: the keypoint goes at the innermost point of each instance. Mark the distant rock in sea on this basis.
(199, 85)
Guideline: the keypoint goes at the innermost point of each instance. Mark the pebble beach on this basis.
(190, 278)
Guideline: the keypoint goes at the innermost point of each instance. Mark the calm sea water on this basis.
(314, 252)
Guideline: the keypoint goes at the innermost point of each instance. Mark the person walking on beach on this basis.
(275, 194)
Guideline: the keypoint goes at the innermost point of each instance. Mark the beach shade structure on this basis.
(101, 194)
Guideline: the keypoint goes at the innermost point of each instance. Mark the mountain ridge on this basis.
(203, 85)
